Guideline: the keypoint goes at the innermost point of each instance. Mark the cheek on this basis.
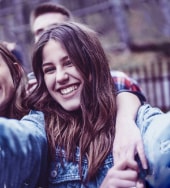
(49, 82)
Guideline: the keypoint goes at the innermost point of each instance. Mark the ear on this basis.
(19, 68)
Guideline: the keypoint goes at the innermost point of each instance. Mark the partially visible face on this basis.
(44, 21)
(6, 84)
(62, 79)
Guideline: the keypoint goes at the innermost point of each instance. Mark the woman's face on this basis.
(6, 85)
(62, 79)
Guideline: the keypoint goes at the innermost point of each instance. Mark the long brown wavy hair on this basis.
(92, 127)
(15, 107)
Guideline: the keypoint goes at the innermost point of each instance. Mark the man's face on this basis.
(44, 21)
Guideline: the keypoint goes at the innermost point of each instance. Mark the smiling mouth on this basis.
(68, 90)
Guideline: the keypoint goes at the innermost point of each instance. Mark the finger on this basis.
(128, 174)
(122, 164)
(120, 179)
(122, 183)
(125, 164)
(141, 154)
(140, 184)
(132, 164)
(112, 182)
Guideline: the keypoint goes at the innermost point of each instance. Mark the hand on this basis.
(31, 86)
(123, 174)
(128, 142)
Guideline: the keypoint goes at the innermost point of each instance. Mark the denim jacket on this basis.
(23, 152)
(67, 174)
(151, 121)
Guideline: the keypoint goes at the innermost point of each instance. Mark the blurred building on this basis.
(135, 34)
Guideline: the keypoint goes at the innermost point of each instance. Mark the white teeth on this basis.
(68, 90)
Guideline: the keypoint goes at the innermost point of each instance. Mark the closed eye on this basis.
(39, 32)
(48, 70)
(67, 63)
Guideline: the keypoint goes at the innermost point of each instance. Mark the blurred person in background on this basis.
(17, 52)
(129, 96)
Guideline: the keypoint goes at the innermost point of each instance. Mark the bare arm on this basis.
(128, 140)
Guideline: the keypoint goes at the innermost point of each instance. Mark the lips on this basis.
(68, 90)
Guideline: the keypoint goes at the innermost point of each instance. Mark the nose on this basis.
(61, 76)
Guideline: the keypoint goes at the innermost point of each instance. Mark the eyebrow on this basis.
(62, 60)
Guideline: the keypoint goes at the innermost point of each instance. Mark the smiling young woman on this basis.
(75, 91)
(129, 95)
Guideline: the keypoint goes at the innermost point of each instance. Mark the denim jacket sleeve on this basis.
(155, 130)
(23, 151)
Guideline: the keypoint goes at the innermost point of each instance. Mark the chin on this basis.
(71, 108)
(71, 105)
